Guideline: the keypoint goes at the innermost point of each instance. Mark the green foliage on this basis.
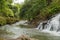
(7, 12)
(32, 8)
(50, 10)
(7, 20)
(11, 20)
(42, 9)
(3, 5)
(13, 8)
(16, 9)
(18, 6)
(4, 8)
(9, 1)
(2, 21)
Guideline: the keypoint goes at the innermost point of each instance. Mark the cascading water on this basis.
(51, 25)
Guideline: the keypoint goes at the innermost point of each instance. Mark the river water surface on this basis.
(32, 32)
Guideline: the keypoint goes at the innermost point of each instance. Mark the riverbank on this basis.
(25, 37)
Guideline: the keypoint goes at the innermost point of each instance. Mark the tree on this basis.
(4, 8)
(32, 8)
(3, 5)
(16, 9)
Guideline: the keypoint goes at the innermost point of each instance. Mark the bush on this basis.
(7, 12)
(7, 20)
(2, 21)
(11, 20)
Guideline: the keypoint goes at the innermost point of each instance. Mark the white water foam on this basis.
(52, 26)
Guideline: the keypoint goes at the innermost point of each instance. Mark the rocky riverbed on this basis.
(22, 37)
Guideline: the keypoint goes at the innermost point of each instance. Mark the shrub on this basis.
(2, 21)
(11, 20)
(7, 12)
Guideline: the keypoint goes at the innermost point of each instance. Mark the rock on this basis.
(24, 37)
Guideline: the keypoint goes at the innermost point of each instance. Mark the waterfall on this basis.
(50, 25)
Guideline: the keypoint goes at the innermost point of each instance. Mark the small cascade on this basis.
(50, 25)
(42, 25)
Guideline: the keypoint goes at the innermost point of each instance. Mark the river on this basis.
(17, 31)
